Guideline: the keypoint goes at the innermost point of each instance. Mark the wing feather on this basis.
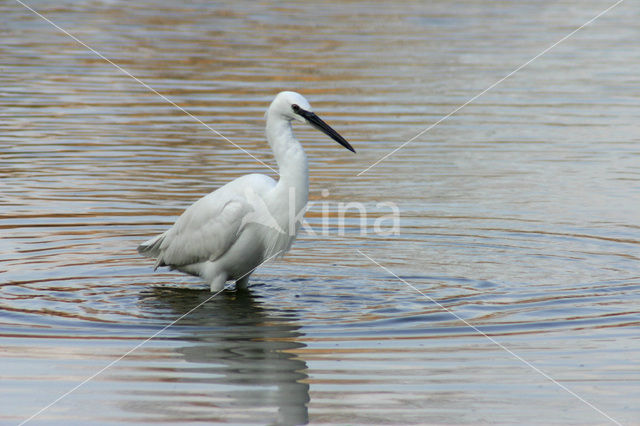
(208, 228)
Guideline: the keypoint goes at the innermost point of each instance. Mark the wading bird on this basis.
(227, 234)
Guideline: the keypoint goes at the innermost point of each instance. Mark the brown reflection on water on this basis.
(520, 212)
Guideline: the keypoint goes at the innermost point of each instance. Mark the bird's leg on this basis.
(217, 284)
(243, 283)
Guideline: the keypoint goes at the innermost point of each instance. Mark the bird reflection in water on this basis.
(244, 351)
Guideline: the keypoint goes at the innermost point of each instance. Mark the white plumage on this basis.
(227, 234)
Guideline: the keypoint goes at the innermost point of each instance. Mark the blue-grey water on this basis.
(519, 214)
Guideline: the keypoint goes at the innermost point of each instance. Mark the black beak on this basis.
(319, 124)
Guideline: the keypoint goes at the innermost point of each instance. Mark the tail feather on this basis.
(151, 248)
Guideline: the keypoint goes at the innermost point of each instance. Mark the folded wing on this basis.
(208, 228)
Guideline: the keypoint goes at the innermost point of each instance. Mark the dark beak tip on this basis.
(315, 121)
(345, 144)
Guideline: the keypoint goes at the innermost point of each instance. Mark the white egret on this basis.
(227, 234)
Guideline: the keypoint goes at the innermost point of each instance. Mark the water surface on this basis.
(519, 213)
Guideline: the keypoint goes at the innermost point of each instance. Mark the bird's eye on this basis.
(295, 108)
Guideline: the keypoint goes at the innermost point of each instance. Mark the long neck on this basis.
(291, 159)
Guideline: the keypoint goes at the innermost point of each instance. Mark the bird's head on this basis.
(293, 106)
